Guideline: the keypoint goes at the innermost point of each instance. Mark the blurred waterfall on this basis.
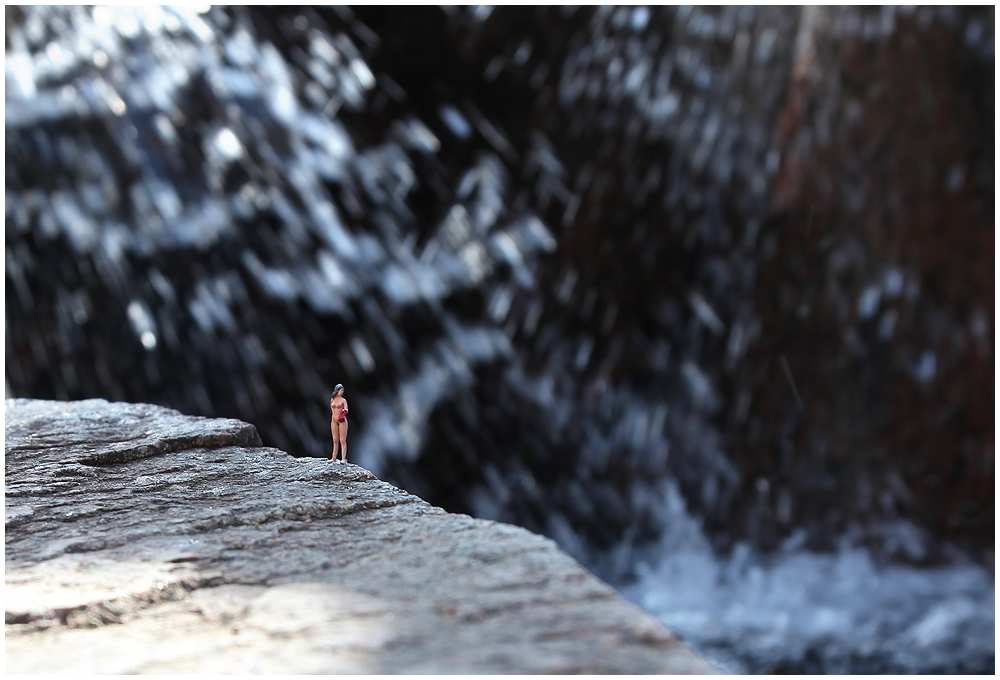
(703, 293)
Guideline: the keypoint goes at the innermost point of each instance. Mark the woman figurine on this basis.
(338, 422)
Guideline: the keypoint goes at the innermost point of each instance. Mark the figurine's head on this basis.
(337, 391)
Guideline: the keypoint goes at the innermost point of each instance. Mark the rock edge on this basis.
(140, 540)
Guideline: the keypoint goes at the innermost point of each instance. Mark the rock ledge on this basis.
(139, 540)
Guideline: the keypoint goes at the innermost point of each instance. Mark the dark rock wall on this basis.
(558, 256)
(881, 269)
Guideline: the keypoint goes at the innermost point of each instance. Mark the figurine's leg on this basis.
(343, 441)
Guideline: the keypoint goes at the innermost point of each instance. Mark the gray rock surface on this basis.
(139, 540)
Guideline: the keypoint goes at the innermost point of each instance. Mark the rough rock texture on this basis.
(141, 540)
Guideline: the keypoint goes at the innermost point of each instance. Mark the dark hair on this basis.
(336, 389)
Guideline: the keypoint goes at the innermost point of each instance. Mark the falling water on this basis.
(617, 275)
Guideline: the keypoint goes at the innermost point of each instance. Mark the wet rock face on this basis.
(199, 551)
(875, 389)
(561, 258)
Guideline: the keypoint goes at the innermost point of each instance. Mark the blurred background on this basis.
(704, 294)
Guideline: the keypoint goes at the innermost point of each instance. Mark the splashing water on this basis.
(804, 612)
(538, 262)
